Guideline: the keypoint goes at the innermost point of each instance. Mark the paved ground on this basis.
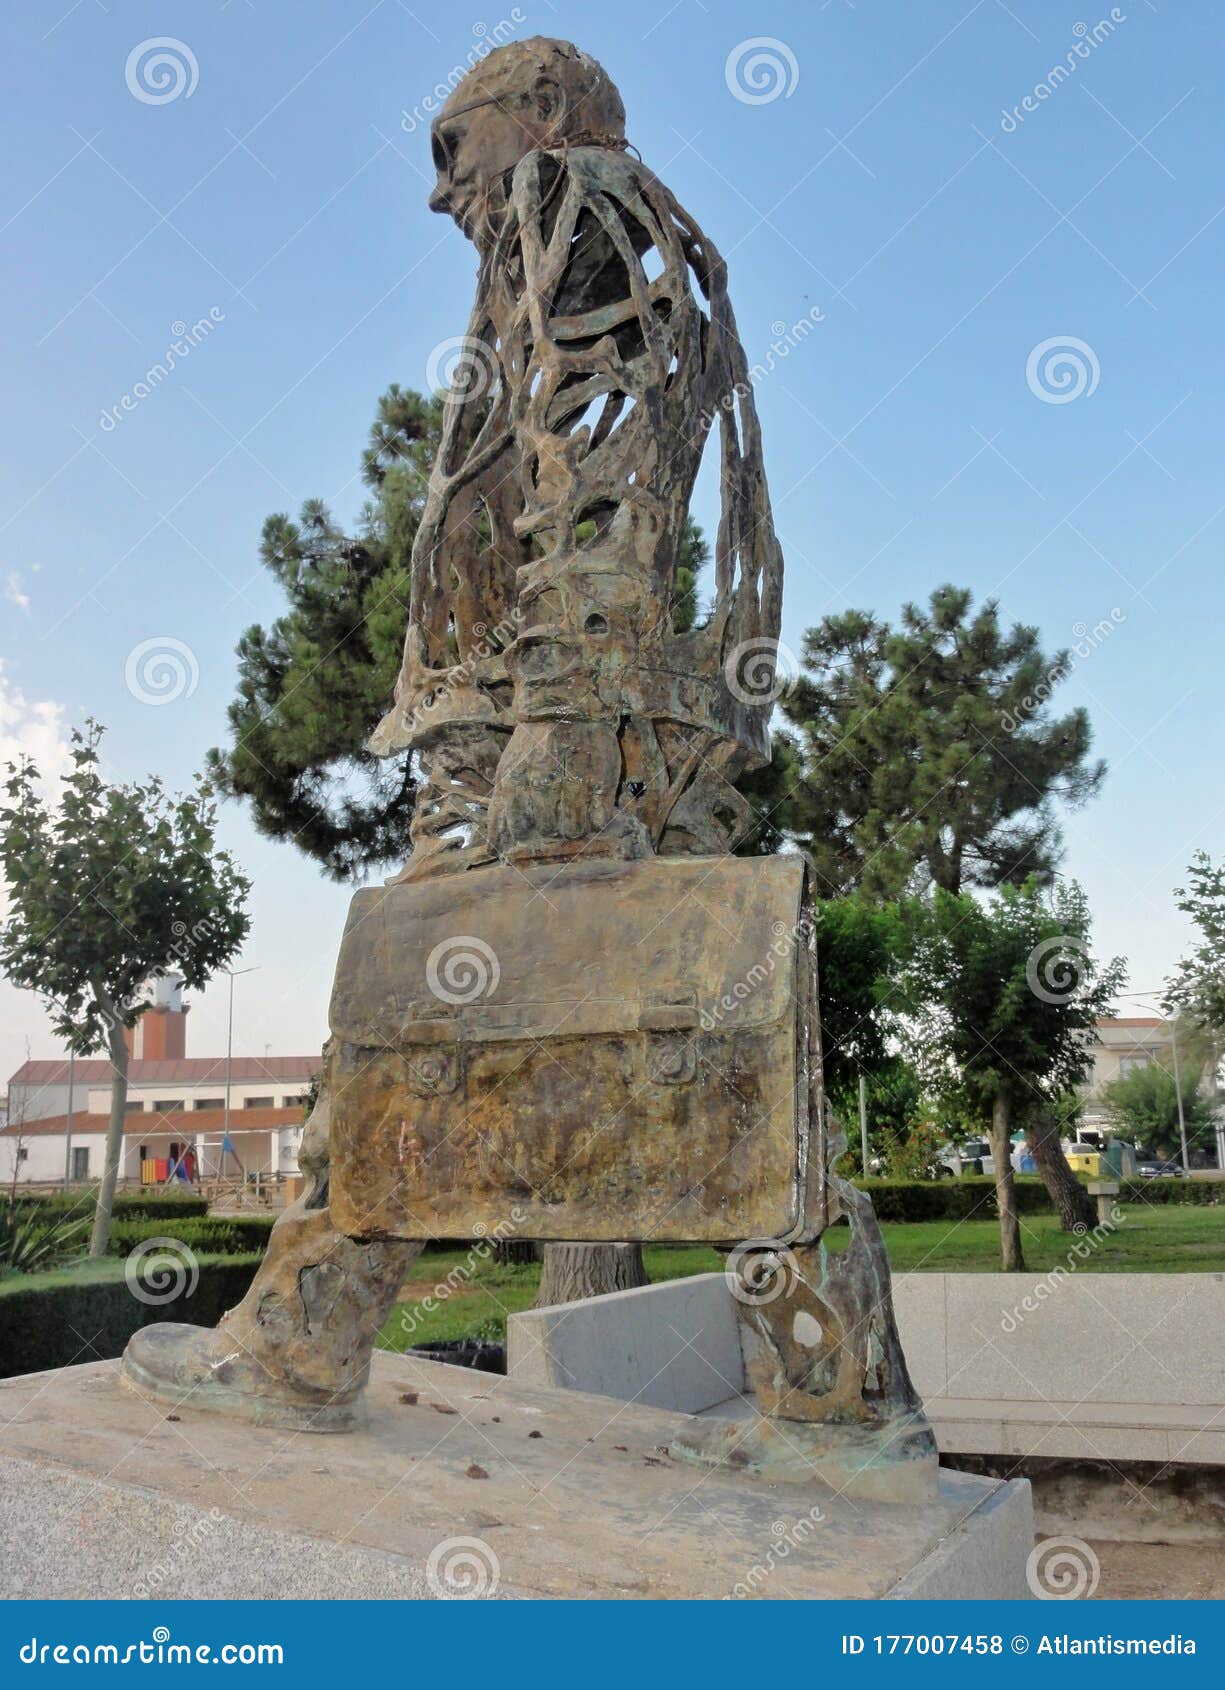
(1133, 1571)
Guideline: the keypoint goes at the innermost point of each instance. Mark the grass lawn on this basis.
(456, 1294)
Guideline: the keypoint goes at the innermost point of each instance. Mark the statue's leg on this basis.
(296, 1351)
(821, 1355)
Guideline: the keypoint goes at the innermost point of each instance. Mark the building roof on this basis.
(179, 1123)
(184, 1070)
(1131, 1021)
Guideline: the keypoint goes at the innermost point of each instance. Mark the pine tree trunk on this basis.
(1073, 1203)
(1005, 1190)
(100, 1237)
(574, 1271)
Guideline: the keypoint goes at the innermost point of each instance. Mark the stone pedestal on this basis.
(480, 1484)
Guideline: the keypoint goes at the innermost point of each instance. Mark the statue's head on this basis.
(528, 94)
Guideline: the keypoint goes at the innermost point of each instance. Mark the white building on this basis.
(174, 1101)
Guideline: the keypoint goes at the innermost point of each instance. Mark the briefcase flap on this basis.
(600, 1051)
(668, 944)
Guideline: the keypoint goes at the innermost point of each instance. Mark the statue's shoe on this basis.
(202, 1367)
(891, 1460)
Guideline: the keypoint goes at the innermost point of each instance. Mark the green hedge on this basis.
(214, 1235)
(1204, 1192)
(41, 1314)
(128, 1205)
(972, 1197)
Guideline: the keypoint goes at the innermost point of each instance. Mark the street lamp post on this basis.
(229, 1056)
(72, 1063)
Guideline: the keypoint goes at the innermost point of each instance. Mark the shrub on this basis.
(214, 1235)
(1173, 1190)
(88, 1313)
(970, 1198)
(145, 1203)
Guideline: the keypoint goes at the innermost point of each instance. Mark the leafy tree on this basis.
(1009, 993)
(928, 753)
(1197, 990)
(117, 885)
(860, 949)
(1143, 1106)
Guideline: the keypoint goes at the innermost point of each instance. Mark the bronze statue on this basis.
(527, 1016)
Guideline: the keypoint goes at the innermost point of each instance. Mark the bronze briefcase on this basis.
(592, 1052)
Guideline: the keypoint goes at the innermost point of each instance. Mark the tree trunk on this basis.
(100, 1237)
(574, 1271)
(1073, 1203)
(1005, 1191)
(513, 1252)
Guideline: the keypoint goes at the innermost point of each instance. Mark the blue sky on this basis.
(881, 194)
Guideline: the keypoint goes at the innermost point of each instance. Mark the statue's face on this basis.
(477, 138)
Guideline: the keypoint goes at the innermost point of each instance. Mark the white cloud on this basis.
(13, 591)
(34, 728)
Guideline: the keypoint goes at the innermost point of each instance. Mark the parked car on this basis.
(1152, 1168)
(966, 1158)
